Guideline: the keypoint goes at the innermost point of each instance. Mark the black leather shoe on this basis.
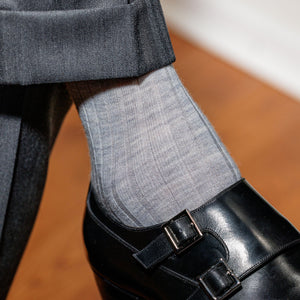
(236, 246)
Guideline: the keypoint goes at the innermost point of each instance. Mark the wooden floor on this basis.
(259, 125)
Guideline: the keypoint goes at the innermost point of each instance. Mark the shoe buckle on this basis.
(182, 231)
(219, 281)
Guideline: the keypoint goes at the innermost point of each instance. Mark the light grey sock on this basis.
(153, 151)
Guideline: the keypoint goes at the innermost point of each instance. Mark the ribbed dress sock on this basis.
(153, 151)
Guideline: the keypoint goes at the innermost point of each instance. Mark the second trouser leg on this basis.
(42, 109)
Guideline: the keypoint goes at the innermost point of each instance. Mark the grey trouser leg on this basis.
(60, 41)
(41, 109)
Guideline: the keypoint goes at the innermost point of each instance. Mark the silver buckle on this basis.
(228, 272)
(180, 247)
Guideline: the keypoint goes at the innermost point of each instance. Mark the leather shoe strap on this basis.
(233, 219)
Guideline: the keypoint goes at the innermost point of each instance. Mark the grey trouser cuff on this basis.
(83, 44)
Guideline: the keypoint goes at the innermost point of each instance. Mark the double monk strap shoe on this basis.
(236, 246)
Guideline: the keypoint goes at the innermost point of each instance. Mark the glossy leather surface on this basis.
(258, 245)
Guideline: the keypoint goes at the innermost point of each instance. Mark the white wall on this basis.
(259, 36)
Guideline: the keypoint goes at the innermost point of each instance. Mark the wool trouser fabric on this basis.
(10, 127)
(153, 151)
(58, 41)
(41, 109)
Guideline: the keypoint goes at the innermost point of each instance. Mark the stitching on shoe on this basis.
(173, 273)
(133, 249)
(180, 276)
(268, 258)
(218, 237)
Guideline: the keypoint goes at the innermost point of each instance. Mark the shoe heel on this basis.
(109, 291)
